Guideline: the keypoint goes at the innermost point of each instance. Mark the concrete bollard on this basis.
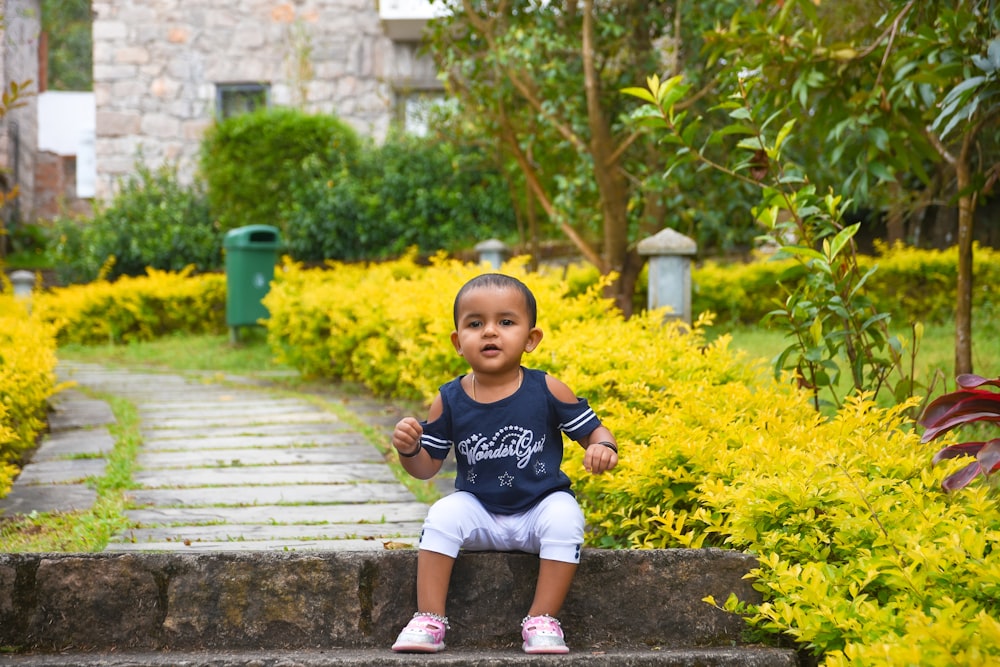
(493, 252)
(23, 283)
(670, 255)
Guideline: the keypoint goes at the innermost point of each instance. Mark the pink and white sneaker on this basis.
(423, 634)
(542, 634)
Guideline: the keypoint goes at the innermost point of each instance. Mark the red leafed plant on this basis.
(966, 405)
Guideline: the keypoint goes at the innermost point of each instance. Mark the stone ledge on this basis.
(742, 656)
(355, 600)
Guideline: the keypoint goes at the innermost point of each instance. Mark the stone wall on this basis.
(157, 65)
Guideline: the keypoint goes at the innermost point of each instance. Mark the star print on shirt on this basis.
(471, 476)
(506, 479)
(539, 468)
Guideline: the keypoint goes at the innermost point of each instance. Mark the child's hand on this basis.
(406, 435)
(599, 459)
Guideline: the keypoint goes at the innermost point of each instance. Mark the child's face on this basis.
(494, 329)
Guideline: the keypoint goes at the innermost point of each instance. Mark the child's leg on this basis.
(554, 580)
(557, 525)
(433, 577)
(449, 524)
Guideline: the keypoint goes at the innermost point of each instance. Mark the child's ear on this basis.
(454, 341)
(534, 338)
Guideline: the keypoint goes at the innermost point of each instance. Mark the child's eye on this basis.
(506, 323)
(475, 324)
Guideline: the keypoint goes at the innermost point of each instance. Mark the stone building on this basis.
(164, 70)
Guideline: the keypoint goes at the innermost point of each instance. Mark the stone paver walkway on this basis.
(223, 467)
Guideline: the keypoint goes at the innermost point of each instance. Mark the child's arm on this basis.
(598, 458)
(406, 440)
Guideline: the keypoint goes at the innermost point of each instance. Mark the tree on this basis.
(900, 98)
(67, 25)
(544, 79)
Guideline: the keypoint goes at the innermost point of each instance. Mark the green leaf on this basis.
(641, 93)
(843, 238)
(783, 134)
(802, 251)
(752, 144)
(740, 113)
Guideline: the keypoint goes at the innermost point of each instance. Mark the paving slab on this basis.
(61, 471)
(251, 441)
(197, 431)
(272, 456)
(243, 406)
(404, 530)
(95, 441)
(290, 494)
(72, 409)
(374, 513)
(28, 498)
(245, 422)
(249, 476)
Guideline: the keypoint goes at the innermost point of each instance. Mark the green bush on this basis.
(409, 192)
(248, 162)
(152, 222)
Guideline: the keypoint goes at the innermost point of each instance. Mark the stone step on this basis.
(743, 656)
(625, 608)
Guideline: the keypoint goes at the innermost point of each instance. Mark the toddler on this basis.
(505, 423)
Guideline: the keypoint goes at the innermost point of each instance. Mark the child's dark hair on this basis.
(499, 280)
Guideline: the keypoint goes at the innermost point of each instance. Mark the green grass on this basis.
(85, 531)
(249, 356)
(935, 357)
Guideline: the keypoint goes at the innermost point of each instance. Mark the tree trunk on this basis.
(608, 174)
(963, 301)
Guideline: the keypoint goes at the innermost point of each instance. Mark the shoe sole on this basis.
(417, 648)
(542, 650)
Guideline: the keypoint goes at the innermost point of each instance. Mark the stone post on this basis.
(670, 255)
(23, 283)
(493, 252)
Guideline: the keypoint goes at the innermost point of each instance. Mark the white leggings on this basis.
(553, 528)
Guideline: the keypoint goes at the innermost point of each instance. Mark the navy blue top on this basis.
(509, 451)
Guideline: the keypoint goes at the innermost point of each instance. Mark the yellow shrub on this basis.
(27, 382)
(135, 307)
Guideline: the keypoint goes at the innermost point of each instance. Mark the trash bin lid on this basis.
(252, 236)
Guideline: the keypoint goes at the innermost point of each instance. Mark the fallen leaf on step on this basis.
(397, 545)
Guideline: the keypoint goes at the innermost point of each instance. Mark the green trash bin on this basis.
(251, 253)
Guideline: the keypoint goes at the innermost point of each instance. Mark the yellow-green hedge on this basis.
(27, 381)
(863, 559)
(135, 308)
(912, 285)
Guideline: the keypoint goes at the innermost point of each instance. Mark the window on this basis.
(233, 99)
(416, 109)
